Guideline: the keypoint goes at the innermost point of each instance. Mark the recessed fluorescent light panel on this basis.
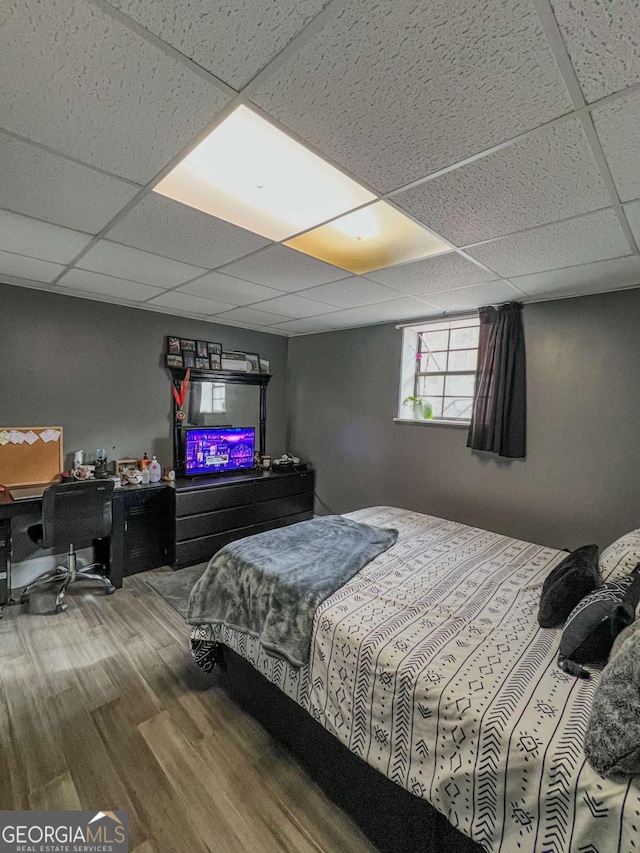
(371, 238)
(252, 174)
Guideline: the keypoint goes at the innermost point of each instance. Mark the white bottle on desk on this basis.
(155, 471)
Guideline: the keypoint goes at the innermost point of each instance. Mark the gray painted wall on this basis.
(580, 481)
(98, 370)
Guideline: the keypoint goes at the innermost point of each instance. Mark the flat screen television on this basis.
(211, 450)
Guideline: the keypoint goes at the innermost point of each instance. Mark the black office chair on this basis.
(72, 513)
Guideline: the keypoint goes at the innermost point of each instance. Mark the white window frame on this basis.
(410, 367)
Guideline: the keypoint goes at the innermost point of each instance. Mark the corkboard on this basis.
(30, 464)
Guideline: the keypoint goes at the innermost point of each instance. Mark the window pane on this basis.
(432, 362)
(436, 405)
(430, 386)
(434, 340)
(464, 338)
(460, 386)
(463, 359)
(458, 407)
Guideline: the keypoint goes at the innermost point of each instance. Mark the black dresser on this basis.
(211, 511)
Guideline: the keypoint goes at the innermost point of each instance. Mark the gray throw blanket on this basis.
(271, 584)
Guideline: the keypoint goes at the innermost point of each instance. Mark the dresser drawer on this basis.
(282, 522)
(193, 526)
(218, 497)
(201, 550)
(281, 487)
(292, 505)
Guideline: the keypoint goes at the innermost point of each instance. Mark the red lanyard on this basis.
(180, 396)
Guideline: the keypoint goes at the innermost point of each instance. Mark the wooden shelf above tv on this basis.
(236, 377)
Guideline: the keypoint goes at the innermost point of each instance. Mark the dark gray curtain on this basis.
(498, 422)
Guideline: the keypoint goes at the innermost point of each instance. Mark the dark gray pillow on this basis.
(565, 587)
(594, 624)
(612, 739)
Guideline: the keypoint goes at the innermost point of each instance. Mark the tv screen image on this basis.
(211, 450)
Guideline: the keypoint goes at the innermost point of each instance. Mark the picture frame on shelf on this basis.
(215, 360)
(254, 360)
(202, 363)
(234, 361)
(174, 360)
(188, 358)
(187, 343)
(264, 366)
(202, 349)
(173, 345)
(122, 465)
(214, 349)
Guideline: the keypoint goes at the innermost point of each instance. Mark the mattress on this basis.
(430, 665)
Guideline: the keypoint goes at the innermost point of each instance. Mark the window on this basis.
(212, 398)
(439, 362)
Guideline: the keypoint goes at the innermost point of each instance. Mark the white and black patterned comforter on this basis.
(430, 665)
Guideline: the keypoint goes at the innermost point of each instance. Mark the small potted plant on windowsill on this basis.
(421, 411)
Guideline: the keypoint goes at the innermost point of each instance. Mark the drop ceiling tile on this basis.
(24, 236)
(398, 309)
(158, 224)
(597, 277)
(617, 126)
(294, 306)
(547, 176)
(30, 268)
(215, 285)
(96, 90)
(37, 183)
(602, 40)
(443, 272)
(134, 265)
(468, 298)
(284, 269)
(189, 304)
(107, 285)
(232, 40)
(394, 91)
(594, 237)
(351, 292)
(218, 318)
(307, 326)
(253, 316)
(633, 217)
(346, 319)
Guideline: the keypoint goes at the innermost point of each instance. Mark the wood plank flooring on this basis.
(102, 707)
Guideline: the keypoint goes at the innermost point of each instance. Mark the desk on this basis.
(183, 523)
(141, 536)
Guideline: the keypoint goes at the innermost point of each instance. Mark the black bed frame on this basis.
(394, 820)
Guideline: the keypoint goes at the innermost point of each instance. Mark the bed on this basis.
(429, 666)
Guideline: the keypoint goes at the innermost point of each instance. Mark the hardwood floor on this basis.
(102, 707)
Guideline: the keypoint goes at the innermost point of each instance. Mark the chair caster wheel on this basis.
(24, 598)
(110, 590)
(60, 608)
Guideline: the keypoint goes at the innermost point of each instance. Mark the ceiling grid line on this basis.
(56, 153)
(536, 227)
(551, 30)
(581, 111)
(242, 98)
(238, 98)
(162, 45)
